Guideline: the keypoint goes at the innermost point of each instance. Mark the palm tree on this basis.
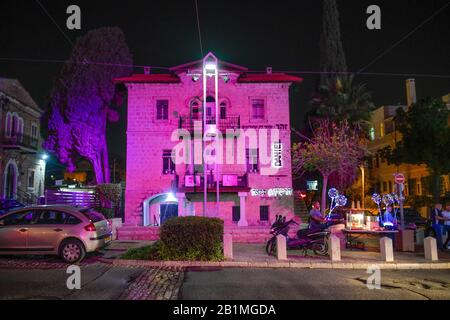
(342, 100)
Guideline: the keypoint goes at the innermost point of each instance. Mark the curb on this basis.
(285, 264)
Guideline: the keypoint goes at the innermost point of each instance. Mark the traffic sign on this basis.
(399, 178)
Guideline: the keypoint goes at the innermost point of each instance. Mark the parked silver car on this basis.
(69, 232)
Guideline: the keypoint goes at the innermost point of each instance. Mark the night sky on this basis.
(255, 34)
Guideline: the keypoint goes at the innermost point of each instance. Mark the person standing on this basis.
(437, 223)
(446, 215)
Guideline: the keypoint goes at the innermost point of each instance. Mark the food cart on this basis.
(359, 223)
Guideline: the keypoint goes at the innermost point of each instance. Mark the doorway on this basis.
(168, 211)
(10, 181)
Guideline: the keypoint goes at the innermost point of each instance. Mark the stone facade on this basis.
(22, 169)
(150, 180)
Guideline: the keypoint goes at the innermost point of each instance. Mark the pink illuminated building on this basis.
(252, 165)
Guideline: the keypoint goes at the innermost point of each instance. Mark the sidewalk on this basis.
(254, 256)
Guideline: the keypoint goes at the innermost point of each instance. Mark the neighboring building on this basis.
(383, 134)
(22, 168)
(159, 104)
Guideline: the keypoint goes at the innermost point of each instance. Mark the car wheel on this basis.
(72, 251)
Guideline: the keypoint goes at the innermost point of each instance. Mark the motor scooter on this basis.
(307, 239)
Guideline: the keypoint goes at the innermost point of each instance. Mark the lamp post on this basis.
(363, 192)
(210, 70)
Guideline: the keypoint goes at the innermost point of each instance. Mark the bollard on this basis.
(228, 246)
(281, 247)
(420, 237)
(430, 248)
(334, 248)
(407, 238)
(386, 249)
(336, 230)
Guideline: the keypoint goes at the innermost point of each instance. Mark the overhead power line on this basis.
(198, 28)
(299, 72)
(404, 37)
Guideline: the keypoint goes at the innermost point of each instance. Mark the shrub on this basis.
(109, 198)
(191, 238)
(184, 238)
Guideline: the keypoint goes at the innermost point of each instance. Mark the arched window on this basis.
(14, 125)
(20, 130)
(195, 110)
(223, 110)
(8, 125)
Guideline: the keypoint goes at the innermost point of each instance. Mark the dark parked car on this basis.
(7, 205)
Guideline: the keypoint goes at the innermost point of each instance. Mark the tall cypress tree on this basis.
(332, 57)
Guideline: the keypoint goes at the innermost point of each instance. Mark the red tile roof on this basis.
(149, 78)
(267, 78)
(244, 78)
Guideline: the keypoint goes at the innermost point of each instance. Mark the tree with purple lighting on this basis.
(81, 100)
(334, 148)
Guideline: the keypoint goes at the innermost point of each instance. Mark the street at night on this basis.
(211, 159)
(102, 281)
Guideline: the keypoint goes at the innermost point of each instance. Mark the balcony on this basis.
(22, 142)
(229, 122)
(229, 182)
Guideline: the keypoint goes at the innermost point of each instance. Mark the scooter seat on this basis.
(304, 232)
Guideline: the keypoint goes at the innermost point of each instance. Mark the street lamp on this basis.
(210, 70)
(363, 202)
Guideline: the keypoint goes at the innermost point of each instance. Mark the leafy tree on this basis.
(425, 132)
(344, 100)
(332, 58)
(81, 101)
(334, 148)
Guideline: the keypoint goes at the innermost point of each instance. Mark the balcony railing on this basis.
(19, 141)
(228, 181)
(229, 122)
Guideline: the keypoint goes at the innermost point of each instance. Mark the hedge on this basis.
(191, 238)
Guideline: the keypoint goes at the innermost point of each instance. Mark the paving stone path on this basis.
(156, 284)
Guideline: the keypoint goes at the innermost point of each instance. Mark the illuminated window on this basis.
(382, 130)
(372, 133)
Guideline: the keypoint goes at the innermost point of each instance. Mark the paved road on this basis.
(268, 284)
(98, 281)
